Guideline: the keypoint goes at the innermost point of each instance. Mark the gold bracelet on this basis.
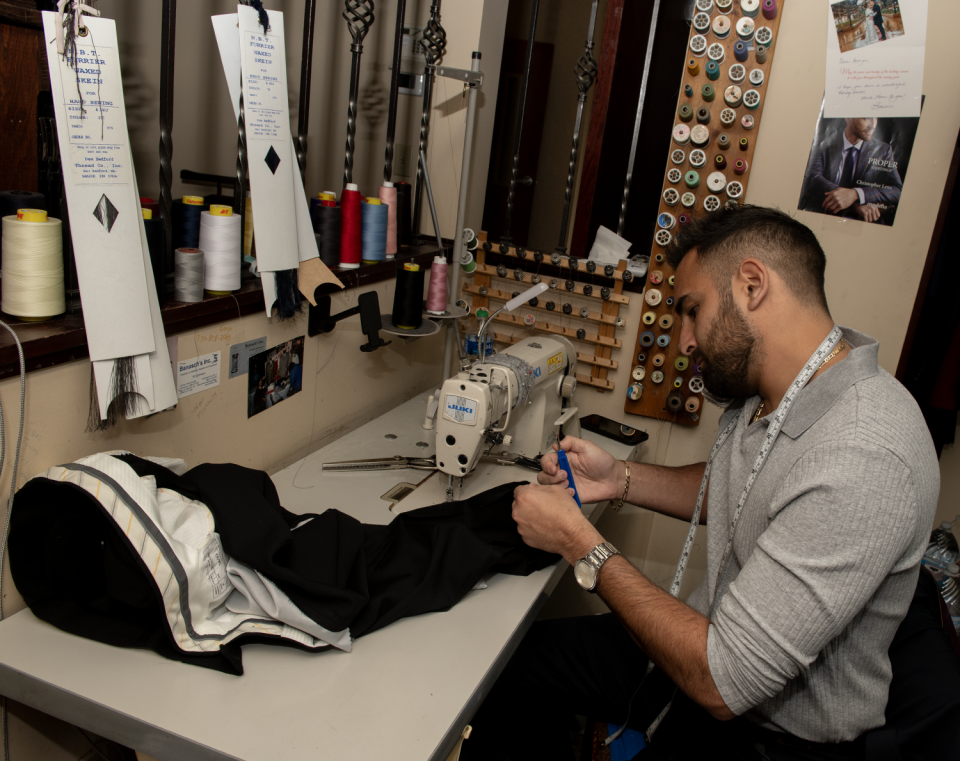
(626, 488)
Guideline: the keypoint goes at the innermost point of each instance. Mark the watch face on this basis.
(585, 574)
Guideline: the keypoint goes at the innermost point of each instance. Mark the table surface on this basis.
(405, 692)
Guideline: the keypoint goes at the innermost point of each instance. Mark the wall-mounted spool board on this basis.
(731, 116)
(490, 289)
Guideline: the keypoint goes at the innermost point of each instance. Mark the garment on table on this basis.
(825, 554)
(126, 551)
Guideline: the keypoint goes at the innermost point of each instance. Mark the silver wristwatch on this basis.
(587, 569)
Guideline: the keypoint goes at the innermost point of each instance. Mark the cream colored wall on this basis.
(872, 272)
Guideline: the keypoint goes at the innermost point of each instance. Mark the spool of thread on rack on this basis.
(351, 234)
(186, 221)
(323, 199)
(32, 265)
(153, 226)
(154, 206)
(408, 297)
(388, 194)
(404, 212)
(220, 242)
(328, 234)
(188, 275)
(374, 230)
(11, 200)
(437, 289)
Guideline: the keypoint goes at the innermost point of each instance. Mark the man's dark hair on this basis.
(724, 238)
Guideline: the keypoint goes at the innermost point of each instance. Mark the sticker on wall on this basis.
(857, 167)
(239, 357)
(198, 374)
(274, 375)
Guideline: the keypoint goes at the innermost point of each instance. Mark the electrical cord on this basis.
(13, 488)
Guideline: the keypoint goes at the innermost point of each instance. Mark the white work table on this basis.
(405, 692)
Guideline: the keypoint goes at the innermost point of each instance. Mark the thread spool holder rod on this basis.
(168, 44)
(473, 80)
(306, 71)
(434, 45)
(359, 16)
(518, 133)
(586, 73)
(636, 122)
(394, 91)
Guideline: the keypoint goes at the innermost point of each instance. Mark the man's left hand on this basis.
(868, 212)
(839, 199)
(549, 519)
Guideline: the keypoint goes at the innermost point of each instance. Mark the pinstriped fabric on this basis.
(825, 554)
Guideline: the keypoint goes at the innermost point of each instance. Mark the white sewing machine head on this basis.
(515, 401)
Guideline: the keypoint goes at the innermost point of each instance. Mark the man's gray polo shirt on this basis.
(826, 552)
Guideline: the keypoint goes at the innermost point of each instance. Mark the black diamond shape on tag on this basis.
(272, 159)
(106, 213)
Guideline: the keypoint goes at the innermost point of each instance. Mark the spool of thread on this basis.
(404, 212)
(315, 206)
(467, 263)
(153, 206)
(388, 195)
(351, 231)
(770, 9)
(760, 52)
(153, 226)
(741, 51)
(408, 298)
(186, 221)
(328, 233)
(692, 404)
(248, 227)
(437, 289)
(11, 200)
(188, 275)
(221, 244)
(32, 286)
(373, 224)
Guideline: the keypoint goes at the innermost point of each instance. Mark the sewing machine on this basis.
(515, 401)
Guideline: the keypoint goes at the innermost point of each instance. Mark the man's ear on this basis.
(753, 281)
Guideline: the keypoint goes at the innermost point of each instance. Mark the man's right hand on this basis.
(597, 474)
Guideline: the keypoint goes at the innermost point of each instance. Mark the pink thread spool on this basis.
(388, 194)
(437, 290)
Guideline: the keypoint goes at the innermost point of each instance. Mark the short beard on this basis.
(731, 347)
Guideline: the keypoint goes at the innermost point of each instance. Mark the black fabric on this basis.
(923, 710)
(590, 666)
(76, 569)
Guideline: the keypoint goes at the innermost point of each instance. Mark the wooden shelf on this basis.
(564, 263)
(493, 293)
(587, 359)
(617, 298)
(64, 339)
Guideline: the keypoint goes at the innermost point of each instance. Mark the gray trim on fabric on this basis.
(168, 554)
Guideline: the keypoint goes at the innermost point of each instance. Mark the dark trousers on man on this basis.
(592, 667)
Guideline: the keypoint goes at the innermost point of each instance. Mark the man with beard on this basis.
(818, 498)
(853, 176)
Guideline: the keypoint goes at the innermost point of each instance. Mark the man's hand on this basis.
(839, 199)
(868, 212)
(549, 519)
(597, 475)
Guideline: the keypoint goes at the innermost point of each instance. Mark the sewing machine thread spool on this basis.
(373, 228)
(220, 241)
(437, 288)
(188, 275)
(388, 194)
(328, 227)
(404, 209)
(351, 232)
(32, 244)
(408, 297)
(153, 227)
(186, 221)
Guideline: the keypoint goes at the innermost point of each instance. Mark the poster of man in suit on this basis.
(857, 167)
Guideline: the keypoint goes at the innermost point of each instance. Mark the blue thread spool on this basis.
(646, 338)
(663, 341)
(186, 221)
(373, 230)
(740, 51)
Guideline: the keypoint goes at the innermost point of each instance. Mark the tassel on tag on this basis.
(289, 301)
(124, 393)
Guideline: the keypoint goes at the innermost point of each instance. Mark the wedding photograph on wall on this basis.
(865, 22)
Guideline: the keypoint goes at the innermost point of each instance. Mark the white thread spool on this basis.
(188, 275)
(32, 267)
(220, 242)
